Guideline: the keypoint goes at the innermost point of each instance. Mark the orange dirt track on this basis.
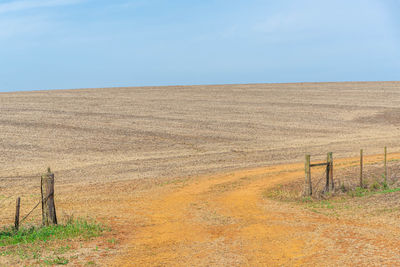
(224, 220)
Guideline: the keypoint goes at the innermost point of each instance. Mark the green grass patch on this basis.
(338, 203)
(375, 188)
(386, 191)
(51, 245)
(73, 229)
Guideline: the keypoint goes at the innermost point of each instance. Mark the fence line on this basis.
(47, 201)
(330, 184)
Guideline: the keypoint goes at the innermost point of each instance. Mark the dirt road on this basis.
(225, 220)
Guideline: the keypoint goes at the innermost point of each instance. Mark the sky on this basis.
(67, 44)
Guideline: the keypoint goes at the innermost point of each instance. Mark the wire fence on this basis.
(30, 211)
(27, 206)
(378, 171)
(368, 172)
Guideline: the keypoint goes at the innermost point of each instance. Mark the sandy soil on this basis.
(180, 171)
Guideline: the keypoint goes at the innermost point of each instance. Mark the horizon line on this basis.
(192, 85)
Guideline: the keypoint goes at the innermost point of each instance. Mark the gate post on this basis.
(307, 169)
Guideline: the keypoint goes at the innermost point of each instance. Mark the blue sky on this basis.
(54, 44)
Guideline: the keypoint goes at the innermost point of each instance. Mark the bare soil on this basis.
(180, 172)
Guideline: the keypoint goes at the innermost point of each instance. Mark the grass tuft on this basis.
(56, 261)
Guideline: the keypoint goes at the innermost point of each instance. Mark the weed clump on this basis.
(375, 186)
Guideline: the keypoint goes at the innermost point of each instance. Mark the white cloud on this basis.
(20, 5)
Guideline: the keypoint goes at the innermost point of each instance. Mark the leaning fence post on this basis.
(385, 164)
(308, 186)
(17, 207)
(48, 208)
(330, 163)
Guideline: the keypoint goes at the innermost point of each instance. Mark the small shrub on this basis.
(385, 186)
(375, 186)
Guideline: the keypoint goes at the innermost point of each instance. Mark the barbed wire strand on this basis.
(40, 201)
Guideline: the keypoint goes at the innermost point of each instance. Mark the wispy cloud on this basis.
(333, 20)
(20, 5)
(15, 22)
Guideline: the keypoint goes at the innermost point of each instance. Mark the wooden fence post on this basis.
(361, 168)
(330, 163)
(48, 208)
(16, 222)
(308, 185)
(385, 164)
(327, 174)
